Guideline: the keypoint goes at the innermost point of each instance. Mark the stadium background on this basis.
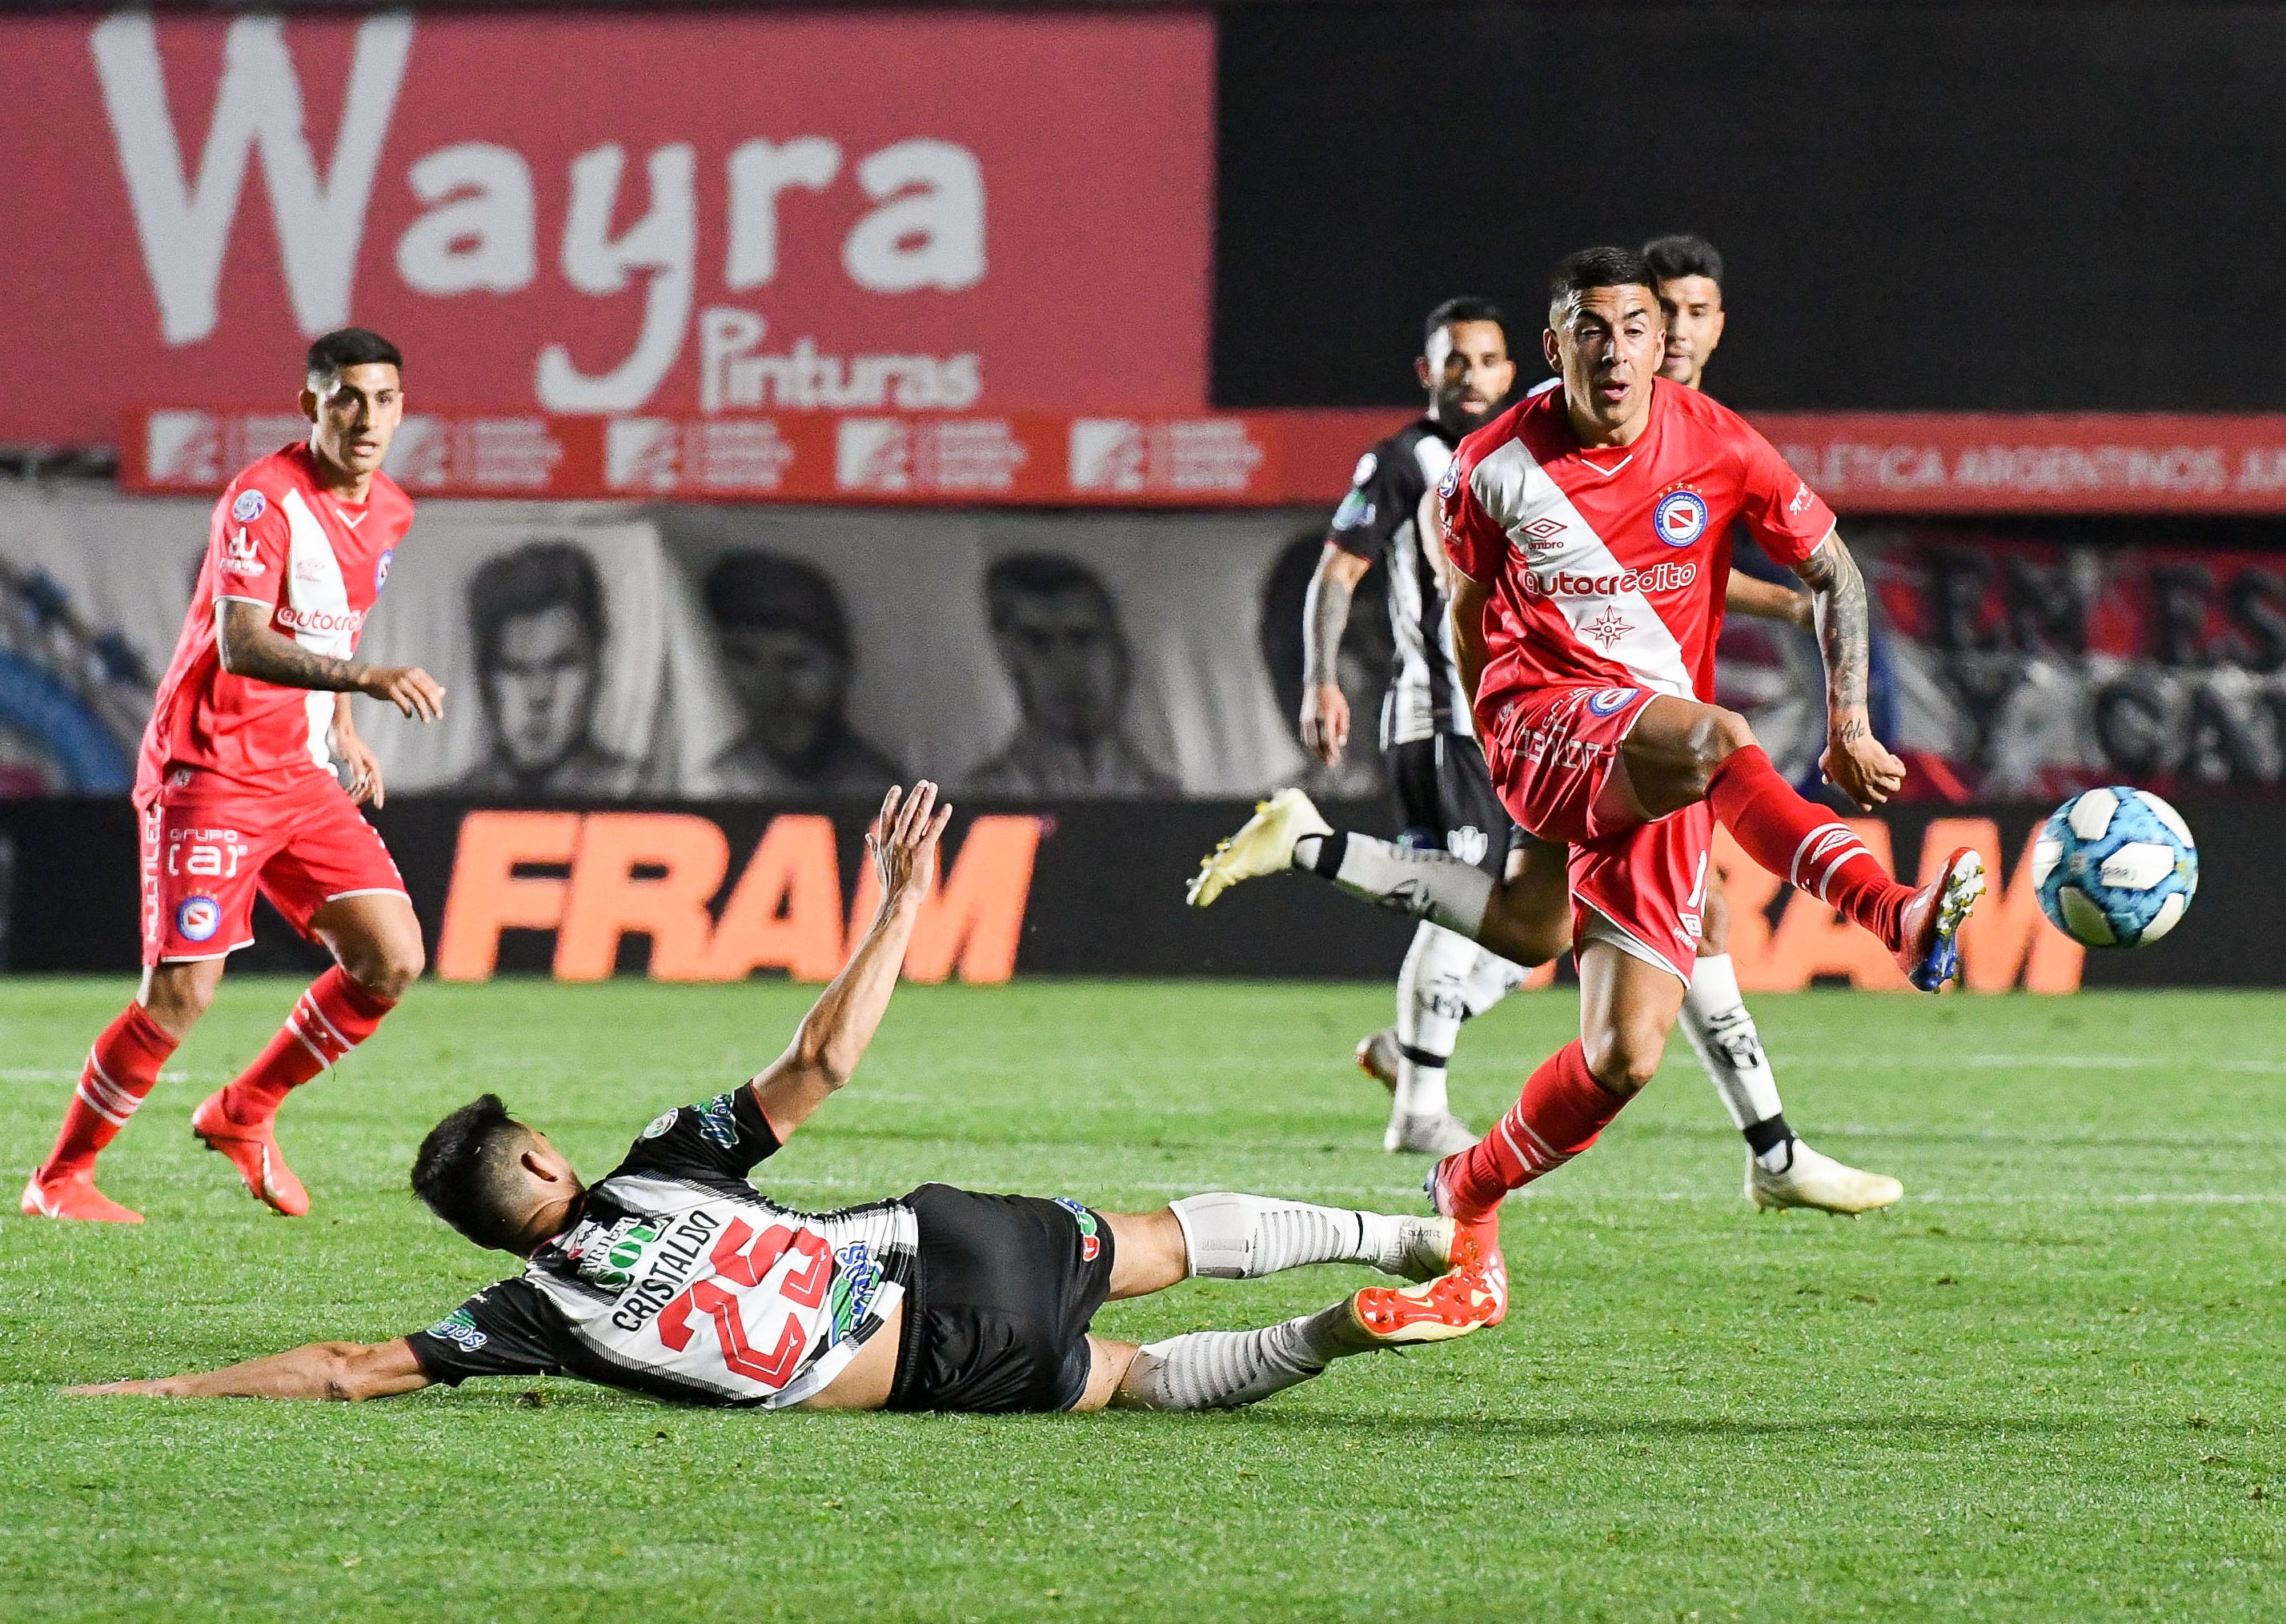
(1117, 295)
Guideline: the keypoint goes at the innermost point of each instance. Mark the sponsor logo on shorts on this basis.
(197, 918)
(1665, 575)
(1089, 1246)
(249, 507)
(458, 1328)
(1680, 517)
(1606, 701)
(1469, 843)
(381, 568)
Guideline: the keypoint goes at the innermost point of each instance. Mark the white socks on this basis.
(1216, 1370)
(1492, 978)
(1429, 885)
(1432, 998)
(1244, 1237)
(1715, 1021)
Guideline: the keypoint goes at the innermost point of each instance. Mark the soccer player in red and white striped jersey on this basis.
(236, 791)
(1589, 530)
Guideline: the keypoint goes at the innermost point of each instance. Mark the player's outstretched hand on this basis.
(903, 841)
(408, 688)
(364, 770)
(1860, 766)
(1325, 722)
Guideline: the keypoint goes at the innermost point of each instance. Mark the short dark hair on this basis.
(464, 1172)
(347, 347)
(760, 591)
(1577, 272)
(1463, 308)
(1040, 575)
(536, 577)
(1683, 255)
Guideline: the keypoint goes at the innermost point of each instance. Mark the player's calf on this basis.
(1231, 1236)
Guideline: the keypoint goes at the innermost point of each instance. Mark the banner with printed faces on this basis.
(595, 653)
(697, 213)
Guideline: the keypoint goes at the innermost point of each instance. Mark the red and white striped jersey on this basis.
(1606, 565)
(279, 538)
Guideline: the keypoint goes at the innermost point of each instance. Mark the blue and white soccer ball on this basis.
(2115, 867)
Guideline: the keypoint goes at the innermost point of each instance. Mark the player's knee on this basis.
(1623, 1058)
(1715, 735)
(387, 969)
(175, 997)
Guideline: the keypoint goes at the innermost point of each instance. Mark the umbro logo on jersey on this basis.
(1538, 535)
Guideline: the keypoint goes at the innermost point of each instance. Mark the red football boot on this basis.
(254, 1152)
(1468, 1299)
(73, 1195)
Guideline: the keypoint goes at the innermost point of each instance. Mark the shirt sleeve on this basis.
(249, 546)
(722, 1138)
(507, 1329)
(1473, 544)
(1785, 516)
(1383, 494)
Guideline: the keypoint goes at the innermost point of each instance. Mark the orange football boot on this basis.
(254, 1152)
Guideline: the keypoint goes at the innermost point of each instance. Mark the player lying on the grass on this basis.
(1588, 529)
(674, 1277)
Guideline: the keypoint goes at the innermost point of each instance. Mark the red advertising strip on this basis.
(1863, 463)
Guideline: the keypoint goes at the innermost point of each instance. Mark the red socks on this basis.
(1803, 844)
(122, 1067)
(333, 1016)
(1559, 1114)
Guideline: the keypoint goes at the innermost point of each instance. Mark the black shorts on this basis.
(997, 1314)
(1445, 801)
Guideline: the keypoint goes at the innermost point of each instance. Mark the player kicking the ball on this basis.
(1588, 532)
(674, 1277)
(235, 789)
(1444, 793)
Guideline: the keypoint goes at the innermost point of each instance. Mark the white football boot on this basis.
(1818, 1181)
(1435, 1133)
(1263, 845)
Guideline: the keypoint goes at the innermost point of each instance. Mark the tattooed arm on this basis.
(1855, 761)
(249, 648)
(1325, 616)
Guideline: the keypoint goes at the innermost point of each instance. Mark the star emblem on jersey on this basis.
(1606, 628)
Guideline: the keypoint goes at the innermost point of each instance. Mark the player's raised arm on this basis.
(343, 1370)
(832, 1036)
(1855, 762)
(250, 647)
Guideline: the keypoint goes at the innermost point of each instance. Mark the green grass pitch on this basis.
(2047, 1386)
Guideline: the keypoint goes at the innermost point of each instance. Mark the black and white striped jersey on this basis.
(1378, 519)
(678, 1279)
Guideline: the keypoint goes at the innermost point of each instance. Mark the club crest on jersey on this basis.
(249, 507)
(1680, 517)
(198, 917)
(1604, 701)
(381, 568)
